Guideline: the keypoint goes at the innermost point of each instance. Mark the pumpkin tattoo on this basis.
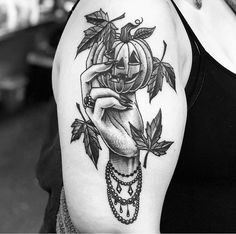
(132, 62)
(120, 63)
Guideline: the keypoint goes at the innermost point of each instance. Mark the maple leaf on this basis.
(104, 30)
(78, 129)
(161, 70)
(91, 35)
(109, 35)
(139, 138)
(154, 129)
(97, 17)
(151, 142)
(91, 142)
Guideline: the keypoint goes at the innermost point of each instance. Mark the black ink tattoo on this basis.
(131, 204)
(151, 143)
(91, 142)
(160, 70)
(118, 65)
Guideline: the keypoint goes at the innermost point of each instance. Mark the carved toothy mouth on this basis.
(124, 77)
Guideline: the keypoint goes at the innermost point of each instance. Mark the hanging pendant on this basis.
(127, 214)
(124, 215)
(118, 188)
(130, 191)
(121, 210)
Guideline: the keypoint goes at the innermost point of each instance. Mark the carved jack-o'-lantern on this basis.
(133, 63)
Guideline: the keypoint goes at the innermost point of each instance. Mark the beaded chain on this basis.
(114, 199)
(125, 175)
(125, 183)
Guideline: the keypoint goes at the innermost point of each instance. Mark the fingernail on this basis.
(129, 106)
(125, 99)
(109, 62)
(122, 96)
(125, 104)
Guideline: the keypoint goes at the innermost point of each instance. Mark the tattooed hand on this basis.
(112, 112)
(118, 65)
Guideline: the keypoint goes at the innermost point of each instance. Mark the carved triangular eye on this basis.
(121, 64)
(133, 59)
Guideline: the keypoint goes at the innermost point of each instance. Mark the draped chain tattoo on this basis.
(119, 64)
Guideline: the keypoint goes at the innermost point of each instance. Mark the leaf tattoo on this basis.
(143, 33)
(91, 142)
(161, 70)
(151, 143)
(97, 17)
(91, 36)
(109, 35)
(104, 30)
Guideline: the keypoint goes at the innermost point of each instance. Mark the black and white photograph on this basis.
(117, 116)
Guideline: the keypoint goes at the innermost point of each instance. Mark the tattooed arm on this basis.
(118, 81)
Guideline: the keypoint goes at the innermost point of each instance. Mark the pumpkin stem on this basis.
(125, 35)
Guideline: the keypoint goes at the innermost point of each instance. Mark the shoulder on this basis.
(156, 12)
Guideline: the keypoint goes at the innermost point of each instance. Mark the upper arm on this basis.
(81, 178)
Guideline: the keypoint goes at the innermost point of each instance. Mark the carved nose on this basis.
(121, 64)
(133, 59)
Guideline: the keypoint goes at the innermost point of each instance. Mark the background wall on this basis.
(26, 56)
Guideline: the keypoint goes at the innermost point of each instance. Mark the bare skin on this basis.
(84, 185)
(217, 41)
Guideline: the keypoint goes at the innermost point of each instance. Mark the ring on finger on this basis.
(89, 102)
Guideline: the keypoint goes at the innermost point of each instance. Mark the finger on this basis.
(89, 61)
(94, 70)
(96, 93)
(99, 53)
(90, 74)
(104, 103)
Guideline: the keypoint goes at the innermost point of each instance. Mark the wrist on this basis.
(124, 165)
